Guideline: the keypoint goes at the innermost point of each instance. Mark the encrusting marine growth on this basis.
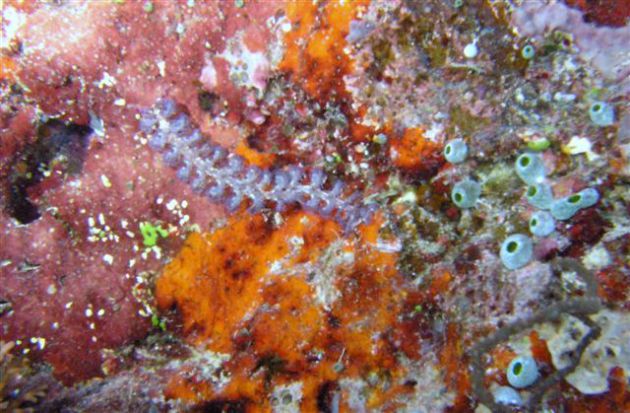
(210, 170)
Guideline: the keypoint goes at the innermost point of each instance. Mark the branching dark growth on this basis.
(579, 307)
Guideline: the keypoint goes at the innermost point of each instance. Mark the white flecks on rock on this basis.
(108, 259)
(105, 181)
(471, 50)
(596, 258)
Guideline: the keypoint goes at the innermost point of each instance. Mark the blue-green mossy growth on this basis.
(542, 224)
(507, 396)
(530, 168)
(465, 193)
(565, 208)
(522, 372)
(456, 151)
(516, 251)
(601, 114)
(539, 195)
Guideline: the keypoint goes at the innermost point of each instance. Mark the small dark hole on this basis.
(55, 140)
(574, 199)
(448, 149)
(597, 107)
(532, 191)
(458, 197)
(512, 246)
(517, 369)
(525, 161)
(208, 101)
(534, 222)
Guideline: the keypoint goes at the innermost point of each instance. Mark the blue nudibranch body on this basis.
(209, 169)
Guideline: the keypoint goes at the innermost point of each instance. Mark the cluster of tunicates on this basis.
(465, 193)
(210, 170)
(521, 373)
(515, 250)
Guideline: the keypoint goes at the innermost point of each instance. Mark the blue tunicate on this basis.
(257, 202)
(589, 197)
(217, 154)
(234, 164)
(530, 168)
(507, 396)
(539, 195)
(158, 141)
(211, 170)
(456, 151)
(198, 184)
(147, 121)
(171, 157)
(522, 372)
(337, 189)
(565, 208)
(317, 177)
(528, 52)
(183, 173)
(216, 192)
(166, 107)
(516, 251)
(541, 224)
(193, 138)
(179, 124)
(602, 114)
(465, 193)
(295, 174)
(234, 202)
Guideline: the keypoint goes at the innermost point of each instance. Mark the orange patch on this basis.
(439, 284)
(217, 279)
(314, 47)
(539, 348)
(413, 152)
(253, 157)
(456, 375)
(256, 294)
(7, 68)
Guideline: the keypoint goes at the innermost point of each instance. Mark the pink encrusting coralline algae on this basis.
(211, 170)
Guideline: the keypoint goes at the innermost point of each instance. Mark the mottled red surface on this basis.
(69, 49)
(613, 13)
